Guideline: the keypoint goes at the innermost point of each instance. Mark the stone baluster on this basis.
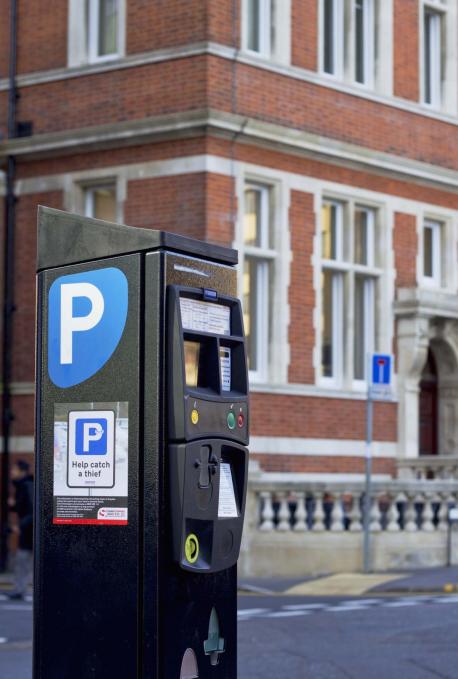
(337, 514)
(410, 515)
(355, 514)
(427, 514)
(267, 512)
(318, 514)
(443, 512)
(283, 513)
(375, 515)
(392, 515)
(300, 524)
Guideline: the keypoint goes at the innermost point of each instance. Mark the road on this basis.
(286, 637)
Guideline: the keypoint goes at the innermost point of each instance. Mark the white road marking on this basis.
(3, 640)
(16, 607)
(252, 611)
(287, 614)
(304, 607)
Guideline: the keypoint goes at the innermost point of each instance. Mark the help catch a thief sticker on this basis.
(91, 463)
(86, 318)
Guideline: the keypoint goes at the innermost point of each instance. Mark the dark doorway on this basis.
(428, 407)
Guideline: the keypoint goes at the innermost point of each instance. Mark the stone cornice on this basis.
(426, 303)
(246, 130)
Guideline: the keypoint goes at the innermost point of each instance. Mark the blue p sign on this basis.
(91, 436)
(86, 319)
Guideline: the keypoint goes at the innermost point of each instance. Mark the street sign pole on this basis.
(367, 494)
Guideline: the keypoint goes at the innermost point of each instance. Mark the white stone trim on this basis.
(281, 445)
(78, 47)
(19, 444)
(256, 131)
(282, 477)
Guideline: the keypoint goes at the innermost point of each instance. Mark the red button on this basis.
(240, 420)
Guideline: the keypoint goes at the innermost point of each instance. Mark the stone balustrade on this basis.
(296, 527)
(396, 506)
(428, 467)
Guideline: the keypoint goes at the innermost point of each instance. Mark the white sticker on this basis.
(91, 449)
(205, 316)
(225, 360)
(227, 506)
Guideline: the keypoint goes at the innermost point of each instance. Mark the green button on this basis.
(231, 420)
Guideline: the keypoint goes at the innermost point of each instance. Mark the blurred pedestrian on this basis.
(22, 504)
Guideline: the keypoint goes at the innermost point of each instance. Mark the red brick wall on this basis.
(406, 49)
(301, 292)
(4, 38)
(405, 249)
(304, 34)
(316, 464)
(156, 25)
(168, 203)
(313, 417)
(221, 208)
(42, 35)
(224, 21)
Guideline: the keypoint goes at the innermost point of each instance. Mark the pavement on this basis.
(425, 581)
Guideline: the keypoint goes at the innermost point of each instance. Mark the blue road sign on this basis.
(381, 370)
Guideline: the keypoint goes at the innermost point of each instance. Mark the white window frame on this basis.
(337, 39)
(436, 74)
(437, 239)
(82, 33)
(274, 30)
(88, 196)
(346, 270)
(369, 30)
(446, 100)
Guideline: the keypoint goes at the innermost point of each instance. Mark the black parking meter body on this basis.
(141, 464)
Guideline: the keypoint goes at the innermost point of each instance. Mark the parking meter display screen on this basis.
(225, 363)
(205, 316)
(191, 362)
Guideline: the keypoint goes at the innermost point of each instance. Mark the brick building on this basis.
(319, 137)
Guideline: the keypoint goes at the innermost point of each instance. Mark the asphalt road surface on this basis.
(284, 637)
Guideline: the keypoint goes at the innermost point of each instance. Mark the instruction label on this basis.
(205, 316)
(225, 361)
(227, 505)
(91, 463)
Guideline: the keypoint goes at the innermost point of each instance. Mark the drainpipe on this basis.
(8, 294)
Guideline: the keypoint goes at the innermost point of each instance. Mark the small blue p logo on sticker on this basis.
(86, 319)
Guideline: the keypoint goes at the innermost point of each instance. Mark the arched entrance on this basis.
(428, 410)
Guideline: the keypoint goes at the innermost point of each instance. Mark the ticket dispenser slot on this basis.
(208, 427)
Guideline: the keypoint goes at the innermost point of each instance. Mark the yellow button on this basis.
(194, 416)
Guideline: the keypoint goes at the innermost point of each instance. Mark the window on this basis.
(432, 57)
(348, 290)
(266, 28)
(100, 202)
(349, 32)
(432, 253)
(257, 276)
(96, 30)
(259, 26)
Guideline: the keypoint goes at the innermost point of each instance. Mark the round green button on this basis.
(231, 420)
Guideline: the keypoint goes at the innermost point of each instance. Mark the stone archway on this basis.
(417, 335)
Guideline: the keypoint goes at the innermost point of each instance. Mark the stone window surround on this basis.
(382, 80)
(449, 9)
(278, 49)
(79, 52)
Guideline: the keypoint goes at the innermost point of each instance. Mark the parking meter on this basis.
(141, 458)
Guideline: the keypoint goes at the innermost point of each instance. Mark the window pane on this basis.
(361, 236)
(329, 231)
(360, 348)
(327, 326)
(251, 231)
(108, 27)
(360, 41)
(428, 251)
(251, 310)
(102, 203)
(253, 29)
(432, 57)
(329, 35)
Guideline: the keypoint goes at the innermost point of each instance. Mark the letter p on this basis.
(70, 323)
